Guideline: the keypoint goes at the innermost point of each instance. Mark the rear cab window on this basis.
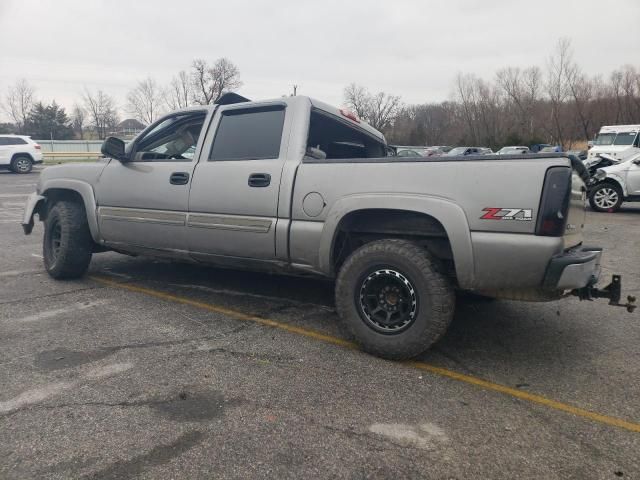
(332, 137)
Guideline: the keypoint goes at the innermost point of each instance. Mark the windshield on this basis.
(604, 139)
(457, 151)
(625, 138)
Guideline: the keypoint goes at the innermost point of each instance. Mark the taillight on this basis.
(554, 204)
(350, 115)
(37, 147)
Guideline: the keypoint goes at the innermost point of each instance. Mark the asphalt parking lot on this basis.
(147, 369)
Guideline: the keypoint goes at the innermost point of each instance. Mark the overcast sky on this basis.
(411, 48)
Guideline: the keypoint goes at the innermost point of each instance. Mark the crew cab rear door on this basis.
(233, 204)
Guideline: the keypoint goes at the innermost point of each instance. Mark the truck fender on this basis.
(88, 197)
(449, 214)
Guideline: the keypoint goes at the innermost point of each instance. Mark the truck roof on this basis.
(340, 113)
(619, 128)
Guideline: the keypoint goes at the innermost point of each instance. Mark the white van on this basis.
(618, 141)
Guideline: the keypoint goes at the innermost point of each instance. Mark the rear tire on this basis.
(393, 300)
(606, 197)
(67, 244)
(21, 164)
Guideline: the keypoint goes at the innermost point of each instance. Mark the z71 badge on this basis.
(522, 214)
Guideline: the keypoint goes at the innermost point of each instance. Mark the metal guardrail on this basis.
(50, 157)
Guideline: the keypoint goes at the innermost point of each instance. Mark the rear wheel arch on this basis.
(438, 225)
(371, 224)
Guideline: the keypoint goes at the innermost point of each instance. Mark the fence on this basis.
(70, 150)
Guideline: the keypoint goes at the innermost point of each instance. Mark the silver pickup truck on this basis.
(295, 185)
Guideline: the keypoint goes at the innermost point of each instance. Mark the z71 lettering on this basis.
(493, 213)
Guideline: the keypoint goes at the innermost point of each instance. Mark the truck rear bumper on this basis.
(576, 268)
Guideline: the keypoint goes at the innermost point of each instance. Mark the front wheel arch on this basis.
(75, 190)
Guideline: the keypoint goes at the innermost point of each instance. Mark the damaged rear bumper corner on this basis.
(30, 208)
(576, 268)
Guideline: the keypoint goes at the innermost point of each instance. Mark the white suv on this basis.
(19, 153)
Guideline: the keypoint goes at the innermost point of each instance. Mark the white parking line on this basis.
(35, 395)
(40, 394)
(60, 311)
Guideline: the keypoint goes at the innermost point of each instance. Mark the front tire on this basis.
(21, 164)
(393, 300)
(67, 244)
(606, 197)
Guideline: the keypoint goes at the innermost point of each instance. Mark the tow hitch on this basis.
(613, 292)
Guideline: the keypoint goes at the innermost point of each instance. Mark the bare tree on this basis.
(581, 90)
(357, 98)
(78, 119)
(102, 112)
(178, 94)
(211, 82)
(18, 103)
(379, 110)
(143, 101)
(557, 88)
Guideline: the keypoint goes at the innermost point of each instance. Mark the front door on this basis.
(633, 178)
(143, 202)
(233, 207)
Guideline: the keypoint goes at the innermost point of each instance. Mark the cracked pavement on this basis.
(100, 382)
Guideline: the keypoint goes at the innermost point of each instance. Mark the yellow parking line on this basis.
(323, 337)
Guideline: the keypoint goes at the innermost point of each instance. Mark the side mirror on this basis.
(114, 148)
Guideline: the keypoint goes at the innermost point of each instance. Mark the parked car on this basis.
(616, 184)
(461, 151)
(618, 141)
(407, 151)
(19, 153)
(535, 148)
(444, 148)
(275, 185)
(551, 149)
(512, 150)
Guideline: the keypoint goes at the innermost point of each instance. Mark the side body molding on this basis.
(450, 215)
(88, 197)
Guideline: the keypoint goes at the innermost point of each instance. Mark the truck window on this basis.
(249, 134)
(338, 139)
(604, 138)
(174, 138)
(625, 138)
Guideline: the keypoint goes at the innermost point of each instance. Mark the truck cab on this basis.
(617, 141)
